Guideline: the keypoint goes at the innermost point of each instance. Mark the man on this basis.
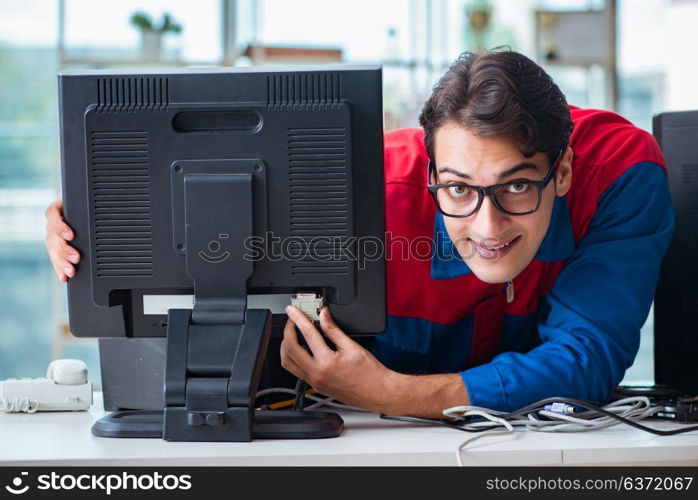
(546, 250)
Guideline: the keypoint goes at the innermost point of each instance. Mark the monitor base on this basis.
(268, 424)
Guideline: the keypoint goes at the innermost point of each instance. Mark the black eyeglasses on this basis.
(521, 197)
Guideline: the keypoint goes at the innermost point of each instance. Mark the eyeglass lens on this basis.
(515, 197)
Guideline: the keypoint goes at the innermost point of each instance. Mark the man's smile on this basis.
(490, 252)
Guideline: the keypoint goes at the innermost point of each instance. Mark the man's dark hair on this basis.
(500, 93)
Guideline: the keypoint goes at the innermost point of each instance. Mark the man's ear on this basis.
(432, 177)
(563, 176)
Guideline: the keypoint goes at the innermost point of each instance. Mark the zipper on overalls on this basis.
(509, 288)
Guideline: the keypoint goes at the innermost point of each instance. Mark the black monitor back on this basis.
(676, 299)
(310, 139)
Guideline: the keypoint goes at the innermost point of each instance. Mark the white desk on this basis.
(65, 439)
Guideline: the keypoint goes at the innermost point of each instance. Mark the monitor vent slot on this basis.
(133, 93)
(319, 201)
(304, 89)
(120, 183)
(689, 174)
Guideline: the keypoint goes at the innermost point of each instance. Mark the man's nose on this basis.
(489, 221)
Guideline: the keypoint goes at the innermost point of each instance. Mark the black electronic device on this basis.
(206, 187)
(674, 406)
(676, 298)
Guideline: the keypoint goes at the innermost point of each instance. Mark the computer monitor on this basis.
(676, 299)
(190, 190)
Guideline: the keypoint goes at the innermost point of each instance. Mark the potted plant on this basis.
(151, 35)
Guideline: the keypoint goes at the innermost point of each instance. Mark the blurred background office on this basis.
(636, 57)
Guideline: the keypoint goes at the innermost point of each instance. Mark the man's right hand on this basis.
(58, 234)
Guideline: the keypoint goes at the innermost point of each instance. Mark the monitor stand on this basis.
(268, 424)
(207, 413)
(216, 351)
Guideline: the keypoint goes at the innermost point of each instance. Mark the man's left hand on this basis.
(349, 374)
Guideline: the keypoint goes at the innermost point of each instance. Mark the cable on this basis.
(325, 402)
(539, 417)
(331, 402)
(299, 400)
(274, 390)
(302, 385)
(334, 404)
(459, 451)
(557, 416)
(310, 304)
(319, 402)
(630, 411)
(639, 413)
(478, 433)
(549, 415)
(429, 421)
(19, 405)
(492, 418)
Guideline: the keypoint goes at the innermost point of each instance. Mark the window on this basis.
(414, 39)
(101, 31)
(28, 176)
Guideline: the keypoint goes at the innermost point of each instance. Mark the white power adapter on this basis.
(65, 388)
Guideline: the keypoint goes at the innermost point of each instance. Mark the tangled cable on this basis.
(548, 415)
(558, 415)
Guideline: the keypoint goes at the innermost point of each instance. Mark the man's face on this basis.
(462, 157)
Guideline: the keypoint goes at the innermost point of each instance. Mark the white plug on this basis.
(310, 304)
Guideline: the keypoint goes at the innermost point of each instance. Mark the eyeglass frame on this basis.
(489, 190)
